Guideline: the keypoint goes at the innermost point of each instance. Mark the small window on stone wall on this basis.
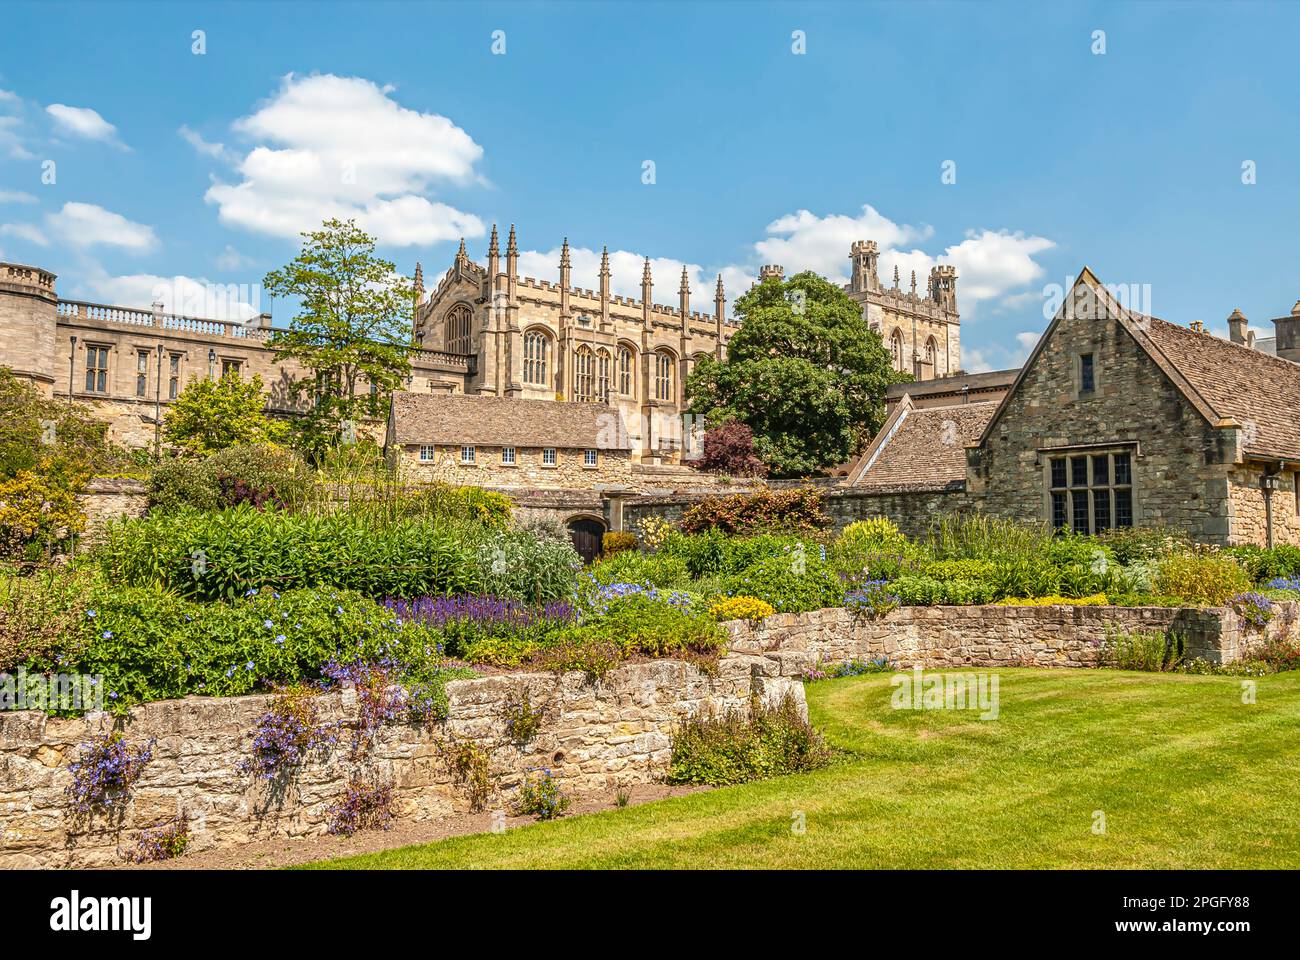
(1091, 492)
(427, 453)
(1087, 374)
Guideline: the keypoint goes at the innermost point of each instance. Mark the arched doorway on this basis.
(586, 534)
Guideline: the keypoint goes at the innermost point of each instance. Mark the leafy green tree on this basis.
(43, 435)
(211, 415)
(353, 325)
(805, 372)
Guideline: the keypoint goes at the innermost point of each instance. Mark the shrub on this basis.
(872, 599)
(287, 734)
(792, 582)
(648, 569)
(41, 614)
(980, 536)
(879, 533)
(1201, 577)
(653, 532)
(471, 767)
(1281, 561)
(151, 645)
(1141, 650)
(367, 804)
(640, 621)
(471, 628)
(766, 509)
(1255, 608)
(39, 515)
(104, 771)
(873, 550)
(917, 591)
(729, 450)
(966, 569)
(540, 797)
(737, 747)
(165, 841)
(211, 415)
(741, 608)
(212, 556)
(617, 541)
(1132, 544)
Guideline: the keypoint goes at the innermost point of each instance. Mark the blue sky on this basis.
(171, 164)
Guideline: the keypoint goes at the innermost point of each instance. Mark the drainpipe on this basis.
(1268, 483)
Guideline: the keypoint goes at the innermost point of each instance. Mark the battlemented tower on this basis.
(28, 317)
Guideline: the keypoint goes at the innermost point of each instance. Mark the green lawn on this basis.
(1187, 776)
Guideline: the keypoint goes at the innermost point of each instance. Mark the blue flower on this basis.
(249, 665)
(280, 638)
(91, 614)
(268, 624)
(107, 635)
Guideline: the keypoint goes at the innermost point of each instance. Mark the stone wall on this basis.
(594, 736)
(1248, 514)
(570, 471)
(914, 510)
(109, 498)
(994, 636)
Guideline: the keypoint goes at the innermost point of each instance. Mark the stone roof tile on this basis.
(506, 421)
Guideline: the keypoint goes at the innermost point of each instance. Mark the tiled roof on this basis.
(502, 421)
(922, 447)
(1260, 391)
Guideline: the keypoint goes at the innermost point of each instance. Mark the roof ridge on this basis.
(1219, 341)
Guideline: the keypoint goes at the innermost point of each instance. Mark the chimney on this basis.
(1197, 326)
(1288, 334)
(1237, 326)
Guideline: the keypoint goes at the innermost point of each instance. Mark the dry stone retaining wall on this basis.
(594, 736)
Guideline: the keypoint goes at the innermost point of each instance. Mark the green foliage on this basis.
(616, 541)
(874, 549)
(40, 434)
(662, 569)
(646, 625)
(211, 415)
(523, 565)
(980, 536)
(223, 555)
(763, 510)
(262, 475)
(353, 327)
(741, 608)
(41, 613)
(39, 516)
(1201, 576)
(541, 797)
(737, 747)
(791, 582)
(924, 591)
(1133, 544)
(1263, 565)
(805, 372)
(522, 720)
(1141, 650)
(153, 645)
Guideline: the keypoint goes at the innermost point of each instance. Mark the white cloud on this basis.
(232, 259)
(215, 150)
(16, 196)
(88, 225)
(11, 141)
(998, 357)
(341, 146)
(8, 96)
(26, 231)
(804, 241)
(82, 122)
(189, 296)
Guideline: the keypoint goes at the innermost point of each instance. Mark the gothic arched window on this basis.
(602, 374)
(625, 367)
(537, 351)
(932, 356)
(583, 390)
(896, 348)
(459, 319)
(664, 364)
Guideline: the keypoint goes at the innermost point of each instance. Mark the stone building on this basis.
(922, 333)
(1117, 419)
(129, 364)
(505, 444)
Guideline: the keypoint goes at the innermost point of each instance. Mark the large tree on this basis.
(353, 327)
(805, 372)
